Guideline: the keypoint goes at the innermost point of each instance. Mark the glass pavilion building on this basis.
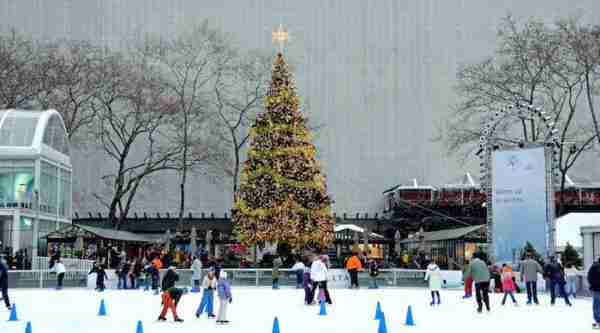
(35, 179)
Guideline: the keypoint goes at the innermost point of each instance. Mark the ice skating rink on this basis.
(253, 310)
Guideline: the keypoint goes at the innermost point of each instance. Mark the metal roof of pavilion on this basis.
(72, 231)
(447, 234)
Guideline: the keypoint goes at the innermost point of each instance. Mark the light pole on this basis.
(36, 224)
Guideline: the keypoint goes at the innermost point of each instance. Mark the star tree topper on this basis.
(280, 36)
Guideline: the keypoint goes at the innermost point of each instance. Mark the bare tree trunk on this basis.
(590, 97)
(183, 171)
(236, 167)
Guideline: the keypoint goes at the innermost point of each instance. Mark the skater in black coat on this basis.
(100, 276)
(593, 278)
(170, 278)
(4, 283)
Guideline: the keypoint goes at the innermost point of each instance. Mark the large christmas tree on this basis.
(283, 194)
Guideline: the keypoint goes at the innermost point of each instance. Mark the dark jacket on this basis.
(373, 268)
(554, 271)
(3, 275)
(100, 274)
(175, 294)
(593, 277)
(169, 280)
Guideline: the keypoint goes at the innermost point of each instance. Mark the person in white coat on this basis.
(196, 274)
(434, 276)
(60, 270)
(318, 274)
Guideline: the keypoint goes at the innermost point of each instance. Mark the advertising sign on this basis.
(519, 202)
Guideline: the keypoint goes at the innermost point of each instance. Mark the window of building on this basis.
(48, 188)
(16, 186)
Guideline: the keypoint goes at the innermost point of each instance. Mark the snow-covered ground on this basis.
(253, 310)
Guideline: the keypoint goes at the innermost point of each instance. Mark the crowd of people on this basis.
(19, 261)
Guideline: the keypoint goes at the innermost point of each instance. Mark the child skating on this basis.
(309, 298)
(224, 293)
(209, 284)
(435, 282)
(508, 284)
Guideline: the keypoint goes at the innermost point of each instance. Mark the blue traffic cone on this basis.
(409, 317)
(28, 327)
(323, 309)
(13, 313)
(378, 311)
(382, 326)
(275, 325)
(139, 328)
(102, 311)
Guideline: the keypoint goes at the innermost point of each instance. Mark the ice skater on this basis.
(318, 274)
(275, 272)
(593, 278)
(309, 297)
(571, 276)
(434, 276)
(529, 269)
(171, 295)
(4, 283)
(373, 273)
(554, 271)
(508, 284)
(196, 274)
(353, 266)
(209, 284)
(298, 268)
(100, 276)
(225, 298)
(479, 272)
(468, 281)
(60, 270)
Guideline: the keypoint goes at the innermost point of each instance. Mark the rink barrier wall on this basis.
(337, 278)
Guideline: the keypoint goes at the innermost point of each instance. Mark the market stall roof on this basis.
(72, 231)
(568, 228)
(414, 185)
(447, 234)
(354, 228)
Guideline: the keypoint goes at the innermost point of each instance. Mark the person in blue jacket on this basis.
(4, 282)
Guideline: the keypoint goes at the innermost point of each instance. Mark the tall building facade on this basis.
(378, 77)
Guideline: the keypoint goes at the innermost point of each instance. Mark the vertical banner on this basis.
(519, 202)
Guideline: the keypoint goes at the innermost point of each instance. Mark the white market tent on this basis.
(568, 228)
(354, 228)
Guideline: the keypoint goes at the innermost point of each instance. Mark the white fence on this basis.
(43, 264)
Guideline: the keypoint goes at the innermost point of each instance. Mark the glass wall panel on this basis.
(48, 188)
(65, 193)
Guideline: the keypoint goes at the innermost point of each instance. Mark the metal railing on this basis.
(249, 277)
(71, 264)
